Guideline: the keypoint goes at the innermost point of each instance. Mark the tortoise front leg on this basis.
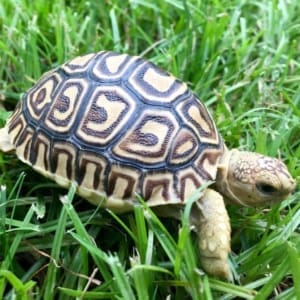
(211, 220)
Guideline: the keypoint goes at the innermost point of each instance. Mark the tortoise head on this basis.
(252, 179)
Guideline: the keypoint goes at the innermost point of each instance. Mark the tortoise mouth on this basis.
(272, 197)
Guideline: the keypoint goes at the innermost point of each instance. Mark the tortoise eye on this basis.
(266, 189)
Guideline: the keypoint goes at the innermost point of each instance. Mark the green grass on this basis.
(242, 59)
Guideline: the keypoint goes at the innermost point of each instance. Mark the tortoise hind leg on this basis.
(211, 220)
(5, 143)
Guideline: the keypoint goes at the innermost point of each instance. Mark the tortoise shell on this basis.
(118, 126)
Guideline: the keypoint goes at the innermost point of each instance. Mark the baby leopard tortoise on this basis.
(119, 126)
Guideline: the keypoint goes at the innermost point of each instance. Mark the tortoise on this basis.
(119, 126)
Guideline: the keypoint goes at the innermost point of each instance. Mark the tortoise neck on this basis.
(222, 179)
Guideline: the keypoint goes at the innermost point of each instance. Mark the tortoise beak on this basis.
(288, 184)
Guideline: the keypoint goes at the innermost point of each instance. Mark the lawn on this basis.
(242, 58)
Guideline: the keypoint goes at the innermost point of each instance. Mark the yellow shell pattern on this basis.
(118, 126)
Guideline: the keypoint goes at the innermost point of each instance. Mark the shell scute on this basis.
(63, 158)
(111, 66)
(155, 86)
(108, 110)
(39, 98)
(184, 147)
(91, 170)
(122, 182)
(158, 188)
(24, 142)
(188, 181)
(65, 106)
(40, 152)
(79, 64)
(149, 139)
(193, 112)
